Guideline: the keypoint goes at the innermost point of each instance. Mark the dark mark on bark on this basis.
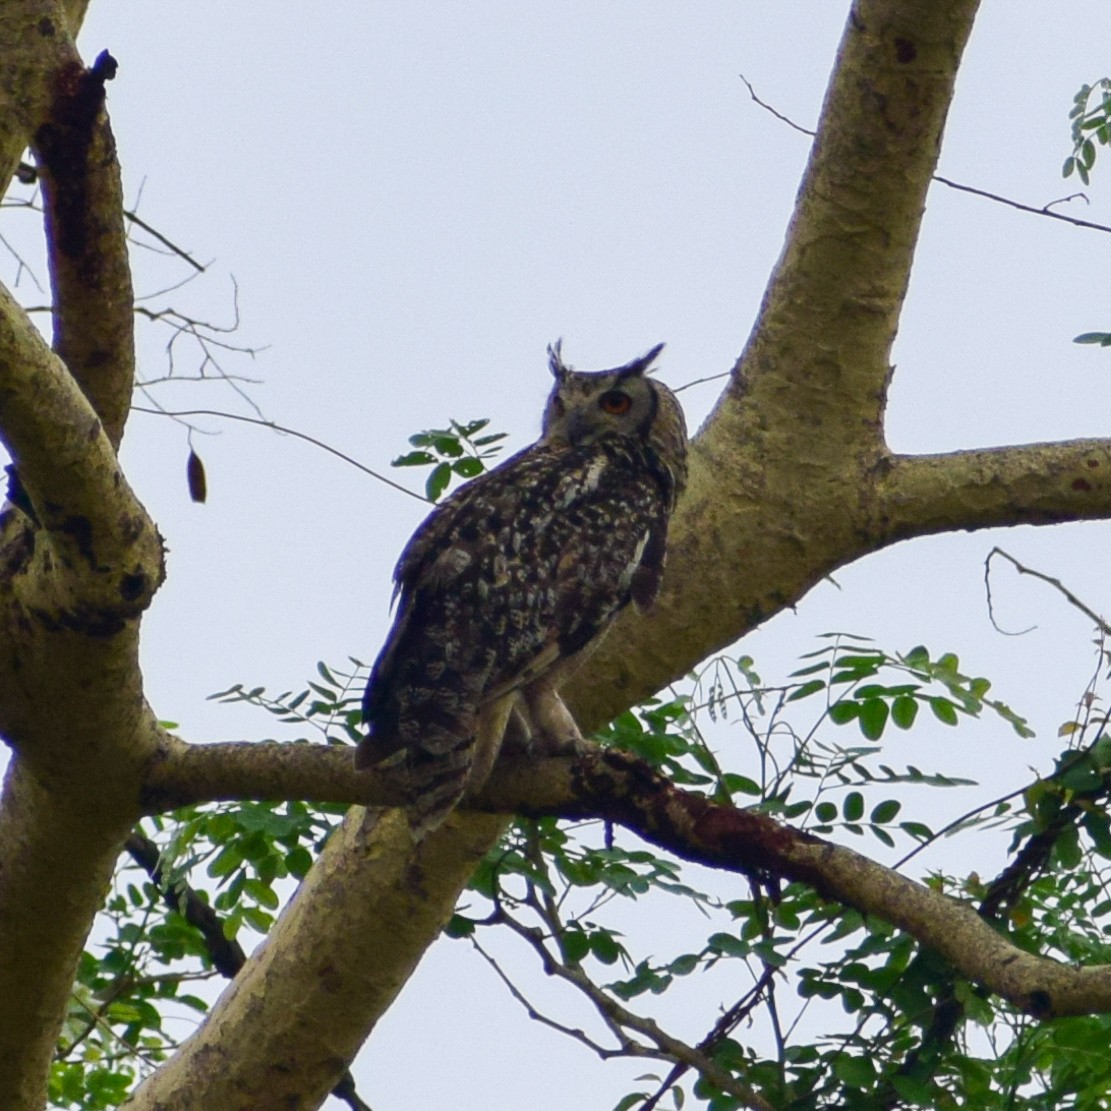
(133, 586)
(905, 51)
(78, 528)
(62, 145)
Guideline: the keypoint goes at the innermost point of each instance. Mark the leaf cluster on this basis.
(1090, 118)
(453, 452)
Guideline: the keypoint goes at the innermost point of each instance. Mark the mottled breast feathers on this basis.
(517, 575)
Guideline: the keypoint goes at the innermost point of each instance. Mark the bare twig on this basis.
(702, 381)
(722, 1028)
(1043, 210)
(617, 1018)
(169, 244)
(574, 1032)
(274, 427)
(29, 175)
(1069, 597)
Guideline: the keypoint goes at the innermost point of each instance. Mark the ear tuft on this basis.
(639, 365)
(555, 360)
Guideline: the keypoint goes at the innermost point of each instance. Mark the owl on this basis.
(510, 583)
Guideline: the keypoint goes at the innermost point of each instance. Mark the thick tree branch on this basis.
(226, 953)
(832, 307)
(75, 578)
(618, 787)
(105, 556)
(34, 35)
(55, 867)
(227, 772)
(34, 38)
(87, 241)
(339, 954)
(1033, 484)
(777, 472)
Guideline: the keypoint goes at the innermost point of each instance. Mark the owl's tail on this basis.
(427, 755)
(435, 787)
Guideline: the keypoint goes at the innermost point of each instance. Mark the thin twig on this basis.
(28, 175)
(619, 1019)
(173, 247)
(274, 427)
(1069, 597)
(1043, 210)
(768, 108)
(574, 1032)
(702, 381)
(722, 1028)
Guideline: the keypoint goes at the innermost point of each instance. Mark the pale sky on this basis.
(416, 198)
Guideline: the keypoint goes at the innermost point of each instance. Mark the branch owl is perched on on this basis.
(512, 581)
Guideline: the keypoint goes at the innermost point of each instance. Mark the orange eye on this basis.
(615, 402)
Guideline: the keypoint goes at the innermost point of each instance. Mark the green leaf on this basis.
(1101, 338)
(944, 710)
(728, 945)
(904, 710)
(468, 467)
(684, 965)
(886, 811)
(825, 812)
(575, 945)
(873, 718)
(856, 1072)
(604, 947)
(853, 806)
(630, 1101)
(741, 784)
(841, 713)
(1067, 850)
(414, 459)
(806, 690)
(437, 481)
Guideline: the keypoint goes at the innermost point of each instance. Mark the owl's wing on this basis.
(448, 542)
(645, 585)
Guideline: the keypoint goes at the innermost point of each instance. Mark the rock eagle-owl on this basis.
(510, 583)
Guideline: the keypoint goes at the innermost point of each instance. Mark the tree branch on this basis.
(226, 953)
(87, 241)
(773, 504)
(615, 786)
(100, 537)
(1033, 484)
(355, 931)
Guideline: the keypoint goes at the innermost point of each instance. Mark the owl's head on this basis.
(584, 408)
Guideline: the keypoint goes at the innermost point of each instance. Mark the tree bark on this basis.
(80, 561)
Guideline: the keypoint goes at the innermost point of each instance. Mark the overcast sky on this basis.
(414, 199)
